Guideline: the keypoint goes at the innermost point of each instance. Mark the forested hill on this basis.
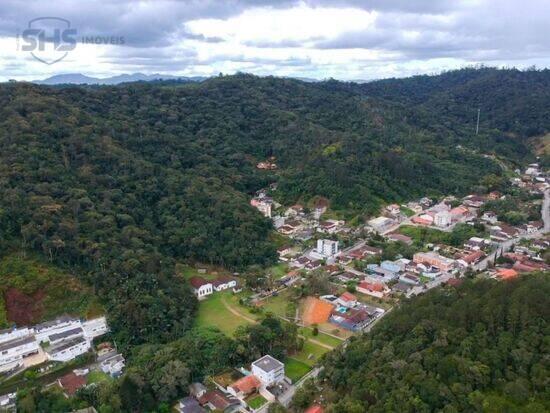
(119, 182)
(510, 101)
(480, 348)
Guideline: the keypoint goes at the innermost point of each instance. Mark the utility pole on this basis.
(477, 125)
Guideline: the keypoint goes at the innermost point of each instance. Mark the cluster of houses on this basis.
(523, 259)
(234, 390)
(533, 179)
(62, 339)
(348, 312)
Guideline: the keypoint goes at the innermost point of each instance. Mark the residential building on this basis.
(434, 259)
(347, 299)
(354, 319)
(201, 287)
(13, 333)
(263, 204)
(224, 282)
(65, 335)
(381, 224)
(424, 219)
(71, 383)
(269, 370)
(68, 349)
(8, 403)
(471, 258)
(474, 201)
(327, 248)
(197, 389)
(189, 405)
(409, 278)
(15, 350)
(393, 209)
(42, 331)
(476, 243)
(245, 386)
(113, 365)
(442, 219)
(396, 237)
(374, 289)
(95, 328)
(489, 217)
(215, 400)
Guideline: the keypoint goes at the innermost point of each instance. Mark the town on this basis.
(336, 280)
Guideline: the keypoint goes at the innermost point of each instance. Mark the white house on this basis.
(224, 283)
(65, 335)
(381, 224)
(44, 330)
(442, 219)
(327, 247)
(68, 349)
(113, 365)
(201, 287)
(16, 349)
(95, 328)
(269, 370)
(13, 333)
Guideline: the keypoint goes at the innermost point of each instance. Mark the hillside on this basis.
(480, 348)
(32, 291)
(121, 182)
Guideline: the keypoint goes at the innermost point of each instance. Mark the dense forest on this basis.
(120, 182)
(117, 184)
(480, 348)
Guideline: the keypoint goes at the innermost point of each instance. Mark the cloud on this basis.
(348, 39)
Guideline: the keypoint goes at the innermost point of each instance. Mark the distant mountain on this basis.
(80, 79)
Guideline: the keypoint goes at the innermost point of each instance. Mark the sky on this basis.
(319, 39)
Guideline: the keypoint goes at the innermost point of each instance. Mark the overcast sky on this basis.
(344, 39)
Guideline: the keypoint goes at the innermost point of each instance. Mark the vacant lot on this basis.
(215, 311)
(295, 369)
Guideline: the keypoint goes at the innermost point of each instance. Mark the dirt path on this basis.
(319, 343)
(236, 313)
(251, 320)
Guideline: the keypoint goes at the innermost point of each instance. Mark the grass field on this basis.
(278, 305)
(213, 312)
(256, 401)
(323, 338)
(385, 304)
(310, 354)
(97, 377)
(279, 270)
(295, 369)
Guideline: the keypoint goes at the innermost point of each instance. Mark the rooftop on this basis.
(65, 334)
(268, 363)
(66, 344)
(16, 342)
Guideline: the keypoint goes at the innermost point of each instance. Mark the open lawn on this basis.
(214, 313)
(385, 304)
(97, 376)
(310, 354)
(323, 338)
(279, 270)
(295, 369)
(335, 330)
(256, 401)
(278, 305)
